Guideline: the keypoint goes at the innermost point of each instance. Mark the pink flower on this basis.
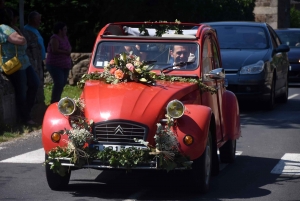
(112, 62)
(119, 74)
(112, 71)
(130, 67)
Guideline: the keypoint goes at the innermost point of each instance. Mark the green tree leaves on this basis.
(85, 18)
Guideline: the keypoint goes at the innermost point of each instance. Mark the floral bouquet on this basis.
(126, 68)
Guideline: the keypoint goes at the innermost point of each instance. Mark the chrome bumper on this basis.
(97, 164)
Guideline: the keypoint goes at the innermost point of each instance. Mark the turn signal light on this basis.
(55, 137)
(188, 140)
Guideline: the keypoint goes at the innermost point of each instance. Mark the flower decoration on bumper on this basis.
(80, 150)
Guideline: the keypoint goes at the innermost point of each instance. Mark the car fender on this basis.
(54, 121)
(231, 115)
(194, 122)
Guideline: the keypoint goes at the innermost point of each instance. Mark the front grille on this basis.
(231, 71)
(119, 132)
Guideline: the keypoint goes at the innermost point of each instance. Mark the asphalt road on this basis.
(267, 167)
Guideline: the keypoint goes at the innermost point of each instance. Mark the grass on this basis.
(69, 91)
(8, 132)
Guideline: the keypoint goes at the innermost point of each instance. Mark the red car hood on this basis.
(131, 101)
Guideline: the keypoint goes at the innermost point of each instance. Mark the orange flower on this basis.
(112, 62)
(112, 71)
(119, 74)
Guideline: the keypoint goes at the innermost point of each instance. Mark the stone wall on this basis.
(274, 12)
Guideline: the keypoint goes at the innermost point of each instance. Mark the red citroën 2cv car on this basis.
(154, 97)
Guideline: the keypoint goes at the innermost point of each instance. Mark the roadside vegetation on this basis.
(84, 19)
(9, 132)
(294, 18)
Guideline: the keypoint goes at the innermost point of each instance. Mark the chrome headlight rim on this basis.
(66, 106)
(175, 109)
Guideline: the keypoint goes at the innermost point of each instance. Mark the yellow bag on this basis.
(11, 65)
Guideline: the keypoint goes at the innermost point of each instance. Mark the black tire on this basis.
(270, 104)
(284, 97)
(227, 152)
(55, 181)
(215, 169)
(201, 168)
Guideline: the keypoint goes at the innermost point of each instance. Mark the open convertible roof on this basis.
(152, 29)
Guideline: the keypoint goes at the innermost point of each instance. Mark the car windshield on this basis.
(158, 53)
(241, 37)
(291, 38)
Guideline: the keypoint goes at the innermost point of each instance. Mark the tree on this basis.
(85, 18)
(294, 18)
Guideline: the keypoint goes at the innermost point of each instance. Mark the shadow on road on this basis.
(156, 185)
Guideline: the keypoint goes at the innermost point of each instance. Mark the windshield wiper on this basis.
(149, 62)
(178, 65)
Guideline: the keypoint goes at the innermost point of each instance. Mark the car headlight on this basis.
(66, 106)
(253, 68)
(175, 109)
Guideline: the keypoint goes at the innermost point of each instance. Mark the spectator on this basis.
(25, 81)
(34, 21)
(36, 52)
(58, 61)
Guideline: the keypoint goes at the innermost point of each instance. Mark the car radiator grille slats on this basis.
(119, 132)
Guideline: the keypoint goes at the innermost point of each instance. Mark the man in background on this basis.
(34, 22)
(36, 53)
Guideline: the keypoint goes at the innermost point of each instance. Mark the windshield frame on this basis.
(150, 51)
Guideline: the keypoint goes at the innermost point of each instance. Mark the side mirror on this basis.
(216, 74)
(282, 48)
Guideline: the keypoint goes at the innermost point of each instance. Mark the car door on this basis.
(280, 61)
(210, 61)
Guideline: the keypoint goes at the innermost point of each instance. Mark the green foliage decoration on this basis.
(166, 152)
(294, 18)
(100, 77)
(161, 28)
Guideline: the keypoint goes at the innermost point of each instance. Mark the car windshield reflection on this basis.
(241, 37)
(291, 38)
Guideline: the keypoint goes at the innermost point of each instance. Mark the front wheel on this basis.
(270, 104)
(56, 181)
(227, 152)
(201, 168)
(284, 97)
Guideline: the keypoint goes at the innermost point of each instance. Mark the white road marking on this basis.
(288, 165)
(237, 153)
(37, 156)
(292, 96)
